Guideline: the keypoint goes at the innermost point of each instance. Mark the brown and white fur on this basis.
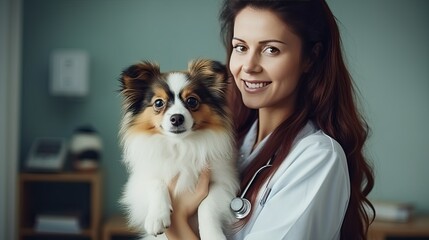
(177, 123)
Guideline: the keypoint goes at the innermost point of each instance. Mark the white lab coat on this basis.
(309, 192)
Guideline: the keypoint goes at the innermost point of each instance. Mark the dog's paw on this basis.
(157, 221)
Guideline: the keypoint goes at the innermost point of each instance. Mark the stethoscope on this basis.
(240, 206)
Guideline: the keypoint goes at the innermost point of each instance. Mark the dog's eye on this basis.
(192, 103)
(158, 105)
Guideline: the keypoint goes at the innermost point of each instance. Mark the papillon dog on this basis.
(176, 124)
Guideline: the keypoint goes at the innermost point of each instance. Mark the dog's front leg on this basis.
(213, 212)
(158, 217)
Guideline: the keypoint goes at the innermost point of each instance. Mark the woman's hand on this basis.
(185, 205)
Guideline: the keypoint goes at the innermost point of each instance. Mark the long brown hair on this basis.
(326, 96)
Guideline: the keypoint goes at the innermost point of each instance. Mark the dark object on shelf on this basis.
(85, 149)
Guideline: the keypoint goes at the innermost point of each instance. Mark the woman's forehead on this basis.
(261, 25)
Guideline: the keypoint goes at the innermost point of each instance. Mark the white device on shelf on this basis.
(57, 224)
(47, 154)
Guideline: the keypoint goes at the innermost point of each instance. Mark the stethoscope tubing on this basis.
(254, 176)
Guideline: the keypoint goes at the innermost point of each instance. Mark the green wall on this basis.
(385, 43)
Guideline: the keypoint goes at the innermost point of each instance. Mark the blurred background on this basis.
(385, 43)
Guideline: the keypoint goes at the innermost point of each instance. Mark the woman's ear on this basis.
(314, 55)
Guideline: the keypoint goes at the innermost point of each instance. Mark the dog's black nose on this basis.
(177, 119)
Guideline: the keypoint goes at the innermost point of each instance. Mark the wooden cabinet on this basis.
(75, 194)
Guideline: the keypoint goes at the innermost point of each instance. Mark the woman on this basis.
(295, 113)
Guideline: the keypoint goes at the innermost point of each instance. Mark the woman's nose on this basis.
(251, 64)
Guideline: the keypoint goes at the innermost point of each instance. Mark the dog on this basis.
(176, 124)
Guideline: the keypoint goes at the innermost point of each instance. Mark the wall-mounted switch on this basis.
(69, 72)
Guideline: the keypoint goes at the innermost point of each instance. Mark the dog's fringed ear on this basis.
(209, 70)
(138, 75)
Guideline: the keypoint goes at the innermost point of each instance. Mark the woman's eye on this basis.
(158, 104)
(192, 103)
(240, 48)
(271, 50)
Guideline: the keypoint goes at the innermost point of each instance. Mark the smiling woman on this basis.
(295, 118)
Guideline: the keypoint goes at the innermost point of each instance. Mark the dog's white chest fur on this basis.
(162, 157)
(154, 160)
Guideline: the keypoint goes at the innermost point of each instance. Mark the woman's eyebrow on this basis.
(238, 39)
(272, 40)
(262, 42)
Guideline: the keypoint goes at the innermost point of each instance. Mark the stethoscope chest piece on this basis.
(240, 207)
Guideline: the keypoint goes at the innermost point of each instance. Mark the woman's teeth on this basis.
(255, 85)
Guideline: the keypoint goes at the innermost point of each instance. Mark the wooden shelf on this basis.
(61, 177)
(417, 227)
(41, 193)
(116, 227)
(32, 232)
